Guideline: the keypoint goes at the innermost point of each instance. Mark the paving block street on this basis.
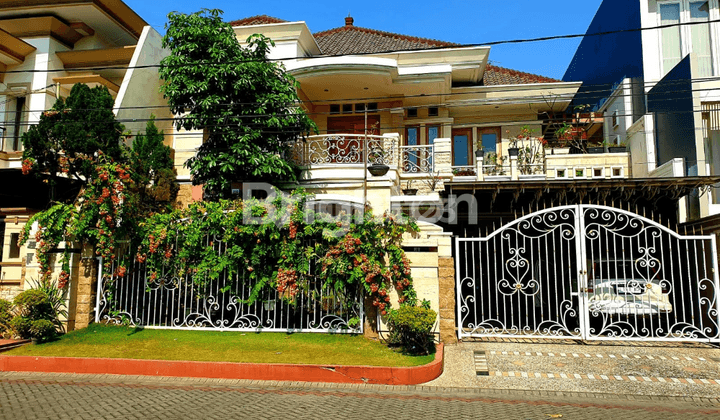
(511, 381)
(67, 396)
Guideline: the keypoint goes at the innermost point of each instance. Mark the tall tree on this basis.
(68, 136)
(246, 104)
(153, 170)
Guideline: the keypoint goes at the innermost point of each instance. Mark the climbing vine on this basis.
(279, 244)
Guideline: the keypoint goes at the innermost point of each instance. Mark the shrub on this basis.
(42, 329)
(20, 325)
(34, 304)
(5, 317)
(36, 317)
(411, 327)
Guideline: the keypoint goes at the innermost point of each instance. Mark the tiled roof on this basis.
(495, 75)
(256, 20)
(351, 39)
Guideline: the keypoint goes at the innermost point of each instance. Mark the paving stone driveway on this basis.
(64, 396)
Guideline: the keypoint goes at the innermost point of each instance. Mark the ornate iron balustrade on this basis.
(178, 302)
(417, 159)
(344, 149)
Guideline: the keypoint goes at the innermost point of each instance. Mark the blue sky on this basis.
(454, 21)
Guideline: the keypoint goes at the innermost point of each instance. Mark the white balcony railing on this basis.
(417, 159)
(344, 149)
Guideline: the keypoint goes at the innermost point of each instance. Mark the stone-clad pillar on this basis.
(82, 292)
(446, 279)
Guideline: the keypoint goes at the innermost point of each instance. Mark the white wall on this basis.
(651, 39)
(141, 88)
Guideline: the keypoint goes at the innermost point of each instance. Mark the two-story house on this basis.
(47, 47)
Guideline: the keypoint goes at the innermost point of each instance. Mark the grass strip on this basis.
(222, 346)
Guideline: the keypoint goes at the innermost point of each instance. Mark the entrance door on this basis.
(462, 147)
(588, 272)
(346, 136)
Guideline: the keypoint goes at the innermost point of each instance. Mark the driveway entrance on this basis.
(588, 272)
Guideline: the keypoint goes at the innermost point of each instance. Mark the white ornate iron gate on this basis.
(588, 272)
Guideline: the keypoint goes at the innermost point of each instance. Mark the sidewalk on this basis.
(671, 369)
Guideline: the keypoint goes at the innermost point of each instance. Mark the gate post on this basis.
(446, 283)
(82, 301)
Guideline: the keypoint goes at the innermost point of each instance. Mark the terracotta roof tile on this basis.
(350, 39)
(256, 20)
(495, 75)
(356, 40)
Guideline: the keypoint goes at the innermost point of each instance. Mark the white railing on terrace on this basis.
(532, 168)
(344, 149)
(417, 159)
(496, 170)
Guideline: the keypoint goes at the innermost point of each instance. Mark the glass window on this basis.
(670, 37)
(14, 248)
(489, 142)
(700, 37)
(413, 139)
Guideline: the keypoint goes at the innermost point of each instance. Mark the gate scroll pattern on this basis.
(588, 272)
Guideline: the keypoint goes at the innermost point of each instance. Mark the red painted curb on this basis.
(225, 370)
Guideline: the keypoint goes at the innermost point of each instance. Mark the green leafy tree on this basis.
(245, 103)
(69, 136)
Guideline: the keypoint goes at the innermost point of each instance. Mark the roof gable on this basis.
(351, 39)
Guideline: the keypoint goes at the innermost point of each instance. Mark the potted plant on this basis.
(479, 153)
(464, 172)
(494, 165)
(378, 167)
(594, 148)
(409, 190)
(619, 148)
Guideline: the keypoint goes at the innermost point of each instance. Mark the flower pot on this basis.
(513, 151)
(617, 149)
(596, 150)
(560, 151)
(410, 191)
(378, 169)
(480, 153)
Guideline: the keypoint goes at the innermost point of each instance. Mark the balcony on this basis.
(10, 148)
(320, 154)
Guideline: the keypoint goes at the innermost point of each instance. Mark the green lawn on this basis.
(216, 346)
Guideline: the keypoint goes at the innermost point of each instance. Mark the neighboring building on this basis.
(48, 46)
(659, 85)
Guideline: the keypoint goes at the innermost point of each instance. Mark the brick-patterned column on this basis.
(82, 300)
(446, 280)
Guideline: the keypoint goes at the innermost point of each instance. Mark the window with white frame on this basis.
(679, 40)
(615, 121)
